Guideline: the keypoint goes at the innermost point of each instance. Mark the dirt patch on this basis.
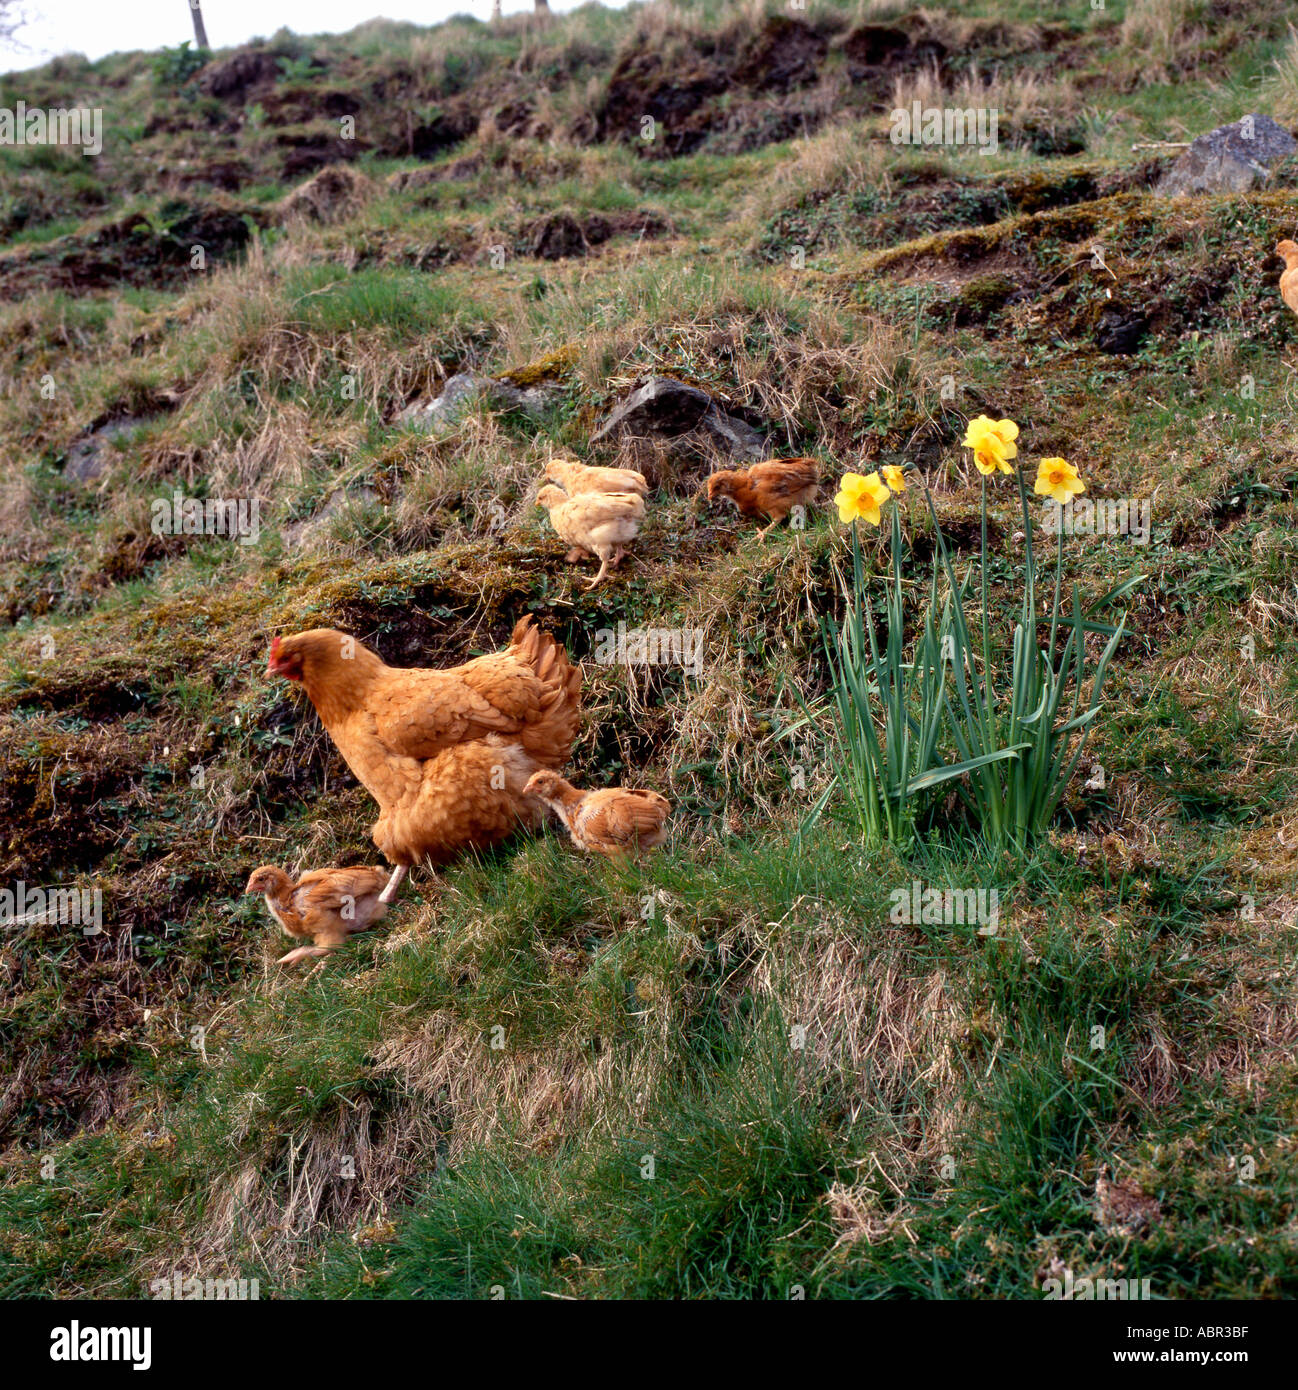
(241, 77)
(784, 54)
(336, 192)
(129, 251)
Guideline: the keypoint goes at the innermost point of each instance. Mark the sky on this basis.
(97, 27)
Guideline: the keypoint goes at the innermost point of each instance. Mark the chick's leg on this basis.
(390, 892)
(603, 570)
(301, 953)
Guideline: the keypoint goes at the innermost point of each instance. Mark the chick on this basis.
(770, 489)
(594, 523)
(574, 477)
(327, 905)
(1289, 280)
(616, 821)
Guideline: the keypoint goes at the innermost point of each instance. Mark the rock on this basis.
(1230, 159)
(1120, 332)
(662, 405)
(465, 388)
(735, 437)
(90, 455)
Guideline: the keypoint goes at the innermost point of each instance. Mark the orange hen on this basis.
(327, 905)
(446, 754)
(770, 489)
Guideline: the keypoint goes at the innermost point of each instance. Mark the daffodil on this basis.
(992, 442)
(894, 477)
(1059, 480)
(861, 496)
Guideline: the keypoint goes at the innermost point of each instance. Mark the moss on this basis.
(553, 366)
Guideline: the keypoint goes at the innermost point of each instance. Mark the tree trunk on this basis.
(200, 30)
(542, 7)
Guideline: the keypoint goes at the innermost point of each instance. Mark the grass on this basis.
(729, 1070)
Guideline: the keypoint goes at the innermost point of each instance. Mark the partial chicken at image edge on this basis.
(1288, 250)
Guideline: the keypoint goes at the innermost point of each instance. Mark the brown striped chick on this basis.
(326, 905)
(575, 477)
(616, 821)
(594, 523)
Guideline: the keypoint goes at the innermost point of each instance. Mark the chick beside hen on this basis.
(594, 523)
(575, 478)
(326, 905)
(770, 489)
(618, 820)
(1289, 280)
(446, 754)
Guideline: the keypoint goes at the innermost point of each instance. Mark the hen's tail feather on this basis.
(550, 737)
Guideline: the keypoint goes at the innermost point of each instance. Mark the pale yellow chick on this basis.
(594, 523)
(575, 477)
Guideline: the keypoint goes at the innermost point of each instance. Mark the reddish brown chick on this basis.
(770, 489)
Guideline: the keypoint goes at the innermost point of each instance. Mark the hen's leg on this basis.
(390, 892)
(603, 570)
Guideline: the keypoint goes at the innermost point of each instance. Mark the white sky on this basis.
(97, 27)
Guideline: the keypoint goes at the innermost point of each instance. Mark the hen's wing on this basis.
(419, 713)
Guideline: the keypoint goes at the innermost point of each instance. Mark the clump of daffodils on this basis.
(950, 706)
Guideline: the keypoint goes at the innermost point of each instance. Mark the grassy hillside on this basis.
(722, 1071)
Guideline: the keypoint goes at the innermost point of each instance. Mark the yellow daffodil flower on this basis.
(992, 442)
(894, 477)
(1059, 480)
(861, 496)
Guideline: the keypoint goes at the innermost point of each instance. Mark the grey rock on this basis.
(464, 389)
(662, 405)
(735, 437)
(90, 455)
(1230, 159)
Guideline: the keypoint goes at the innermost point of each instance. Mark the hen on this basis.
(1289, 280)
(606, 822)
(594, 523)
(327, 905)
(446, 754)
(574, 478)
(769, 489)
